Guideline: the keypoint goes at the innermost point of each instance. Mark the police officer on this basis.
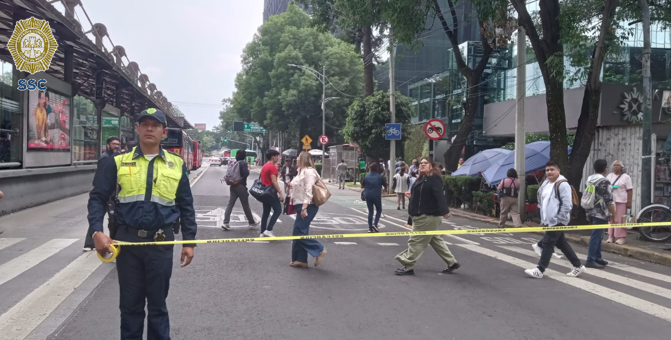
(154, 192)
(113, 147)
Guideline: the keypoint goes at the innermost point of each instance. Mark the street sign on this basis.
(435, 129)
(323, 139)
(392, 131)
(253, 127)
(306, 142)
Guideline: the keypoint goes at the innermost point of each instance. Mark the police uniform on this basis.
(153, 194)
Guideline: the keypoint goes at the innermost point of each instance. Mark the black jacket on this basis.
(428, 197)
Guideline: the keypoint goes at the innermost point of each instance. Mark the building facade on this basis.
(274, 7)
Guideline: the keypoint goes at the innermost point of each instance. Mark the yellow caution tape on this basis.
(117, 244)
(110, 257)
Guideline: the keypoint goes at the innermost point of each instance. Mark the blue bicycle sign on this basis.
(392, 131)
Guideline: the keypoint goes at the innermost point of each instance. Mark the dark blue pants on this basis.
(274, 204)
(377, 203)
(594, 248)
(144, 274)
(301, 248)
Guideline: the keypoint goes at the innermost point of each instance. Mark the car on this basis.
(215, 161)
(225, 160)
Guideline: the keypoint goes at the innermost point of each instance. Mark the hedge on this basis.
(484, 200)
(462, 187)
(318, 167)
(532, 192)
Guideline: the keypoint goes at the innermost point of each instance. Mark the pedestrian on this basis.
(509, 190)
(442, 170)
(287, 173)
(622, 194)
(414, 168)
(301, 191)
(555, 197)
(146, 212)
(412, 178)
(112, 148)
(461, 161)
(373, 184)
(400, 187)
(239, 191)
(604, 208)
(342, 174)
(427, 216)
(268, 178)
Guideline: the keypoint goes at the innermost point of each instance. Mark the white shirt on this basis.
(150, 157)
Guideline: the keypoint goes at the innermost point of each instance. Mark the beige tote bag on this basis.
(320, 193)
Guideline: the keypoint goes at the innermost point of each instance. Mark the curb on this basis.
(624, 250)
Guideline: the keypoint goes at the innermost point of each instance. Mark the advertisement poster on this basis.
(666, 102)
(48, 121)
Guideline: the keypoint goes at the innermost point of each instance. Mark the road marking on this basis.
(32, 258)
(610, 294)
(650, 288)
(258, 242)
(388, 244)
(346, 243)
(404, 227)
(6, 242)
(199, 176)
(40, 303)
(635, 270)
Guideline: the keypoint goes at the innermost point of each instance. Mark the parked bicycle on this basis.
(651, 214)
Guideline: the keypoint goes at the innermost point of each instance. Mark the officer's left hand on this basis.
(187, 256)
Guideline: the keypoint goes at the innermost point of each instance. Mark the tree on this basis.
(285, 98)
(366, 120)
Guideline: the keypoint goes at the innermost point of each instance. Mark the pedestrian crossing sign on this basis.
(306, 142)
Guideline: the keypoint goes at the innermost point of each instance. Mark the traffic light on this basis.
(229, 131)
(225, 140)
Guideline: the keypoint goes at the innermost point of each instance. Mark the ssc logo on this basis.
(171, 164)
(32, 45)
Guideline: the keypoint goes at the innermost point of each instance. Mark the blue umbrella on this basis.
(537, 154)
(482, 161)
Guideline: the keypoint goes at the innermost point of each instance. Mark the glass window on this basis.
(11, 147)
(127, 131)
(425, 102)
(85, 130)
(110, 128)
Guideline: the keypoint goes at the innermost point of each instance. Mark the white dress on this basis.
(401, 183)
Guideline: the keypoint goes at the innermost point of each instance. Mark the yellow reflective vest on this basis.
(133, 172)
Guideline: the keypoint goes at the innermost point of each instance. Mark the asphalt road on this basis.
(50, 289)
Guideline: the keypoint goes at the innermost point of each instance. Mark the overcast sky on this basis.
(190, 49)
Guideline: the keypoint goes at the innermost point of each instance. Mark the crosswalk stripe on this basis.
(388, 244)
(20, 264)
(39, 304)
(646, 287)
(345, 243)
(634, 270)
(6, 242)
(610, 294)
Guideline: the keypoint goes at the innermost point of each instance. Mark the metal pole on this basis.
(519, 119)
(646, 181)
(323, 118)
(392, 109)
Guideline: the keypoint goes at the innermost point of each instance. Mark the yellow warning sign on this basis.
(306, 142)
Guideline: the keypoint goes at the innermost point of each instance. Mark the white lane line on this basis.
(199, 176)
(607, 293)
(37, 305)
(388, 244)
(6, 242)
(634, 270)
(259, 242)
(463, 240)
(650, 288)
(346, 243)
(20, 264)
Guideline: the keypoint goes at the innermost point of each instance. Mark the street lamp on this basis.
(322, 78)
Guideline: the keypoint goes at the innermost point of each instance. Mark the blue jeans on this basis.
(594, 249)
(274, 204)
(301, 248)
(376, 202)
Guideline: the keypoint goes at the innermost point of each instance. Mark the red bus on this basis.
(180, 143)
(197, 154)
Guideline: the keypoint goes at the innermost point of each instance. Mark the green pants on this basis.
(418, 243)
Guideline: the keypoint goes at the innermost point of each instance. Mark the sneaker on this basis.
(262, 235)
(593, 264)
(375, 229)
(409, 226)
(254, 225)
(610, 239)
(403, 271)
(88, 248)
(398, 208)
(620, 241)
(576, 271)
(268, 233)
(452, 268)
(320, 257)
(226, 226)
(537, 249)
(602, 262)
(557, 256)
(535, 273)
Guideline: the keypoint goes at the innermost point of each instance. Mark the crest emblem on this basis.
(151, 111)
(32, 45)
(171, 164)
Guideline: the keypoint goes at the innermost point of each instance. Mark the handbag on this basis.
(261, 192)
(320, 193)
(291, 209)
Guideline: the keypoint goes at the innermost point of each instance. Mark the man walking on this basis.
(599, 196)
(268, 178)
(555, 197)
(112, 148)
(239, 170)
(155, 194)
(342, 174)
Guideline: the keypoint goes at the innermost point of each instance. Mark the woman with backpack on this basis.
(509, 191)
(622, 194)
(236, 178)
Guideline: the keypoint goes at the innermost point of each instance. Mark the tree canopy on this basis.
(284, 98)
